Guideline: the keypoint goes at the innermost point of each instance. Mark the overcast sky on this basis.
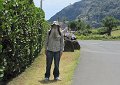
(51, 7)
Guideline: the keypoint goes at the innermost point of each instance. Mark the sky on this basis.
(51, 7)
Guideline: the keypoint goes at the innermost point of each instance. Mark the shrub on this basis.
(21, 26)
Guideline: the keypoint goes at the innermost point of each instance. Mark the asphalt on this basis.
(99, 63)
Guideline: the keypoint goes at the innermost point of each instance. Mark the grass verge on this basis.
(98, 37)
(34, 75)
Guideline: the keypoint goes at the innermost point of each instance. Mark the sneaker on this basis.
(57, 79)
(46, 79)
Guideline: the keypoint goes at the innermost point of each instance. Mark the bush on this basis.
(1, 66)
(102, 30)
(21, 26)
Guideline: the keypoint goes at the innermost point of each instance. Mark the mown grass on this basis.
(115, 35)
(98, 37)
(34, 75)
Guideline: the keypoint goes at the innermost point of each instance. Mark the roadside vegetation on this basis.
(22, 32)
(109, 30)
(34, 75)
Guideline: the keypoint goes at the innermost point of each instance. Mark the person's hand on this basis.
(61, 52)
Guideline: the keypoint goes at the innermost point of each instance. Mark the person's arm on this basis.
(46, 42)
(62, 43)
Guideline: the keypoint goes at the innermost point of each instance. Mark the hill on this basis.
(91, 11)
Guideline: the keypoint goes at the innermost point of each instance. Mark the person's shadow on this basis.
(47, 82)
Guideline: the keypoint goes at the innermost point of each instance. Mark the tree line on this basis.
(82, 28)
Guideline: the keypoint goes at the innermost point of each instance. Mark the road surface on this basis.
(99, 63)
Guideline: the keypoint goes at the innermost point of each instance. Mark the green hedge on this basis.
(1, 66)
(22, 30)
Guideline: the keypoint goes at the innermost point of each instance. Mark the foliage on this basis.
(100, 34)
(80, 26)
(102, 30)
(110, 22)
(1, 64)
(22, 28)
(72, 25)
(1, 6)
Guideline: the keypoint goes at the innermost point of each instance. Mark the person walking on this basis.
(54, 47)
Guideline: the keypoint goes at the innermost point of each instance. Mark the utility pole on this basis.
(41, 4)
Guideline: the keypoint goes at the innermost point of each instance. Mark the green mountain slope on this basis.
(92, 11)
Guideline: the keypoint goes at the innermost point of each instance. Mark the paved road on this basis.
(99, 63)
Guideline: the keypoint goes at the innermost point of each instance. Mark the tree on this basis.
(81, 25)
(31, 1)
(72, 25)
(109, 23)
